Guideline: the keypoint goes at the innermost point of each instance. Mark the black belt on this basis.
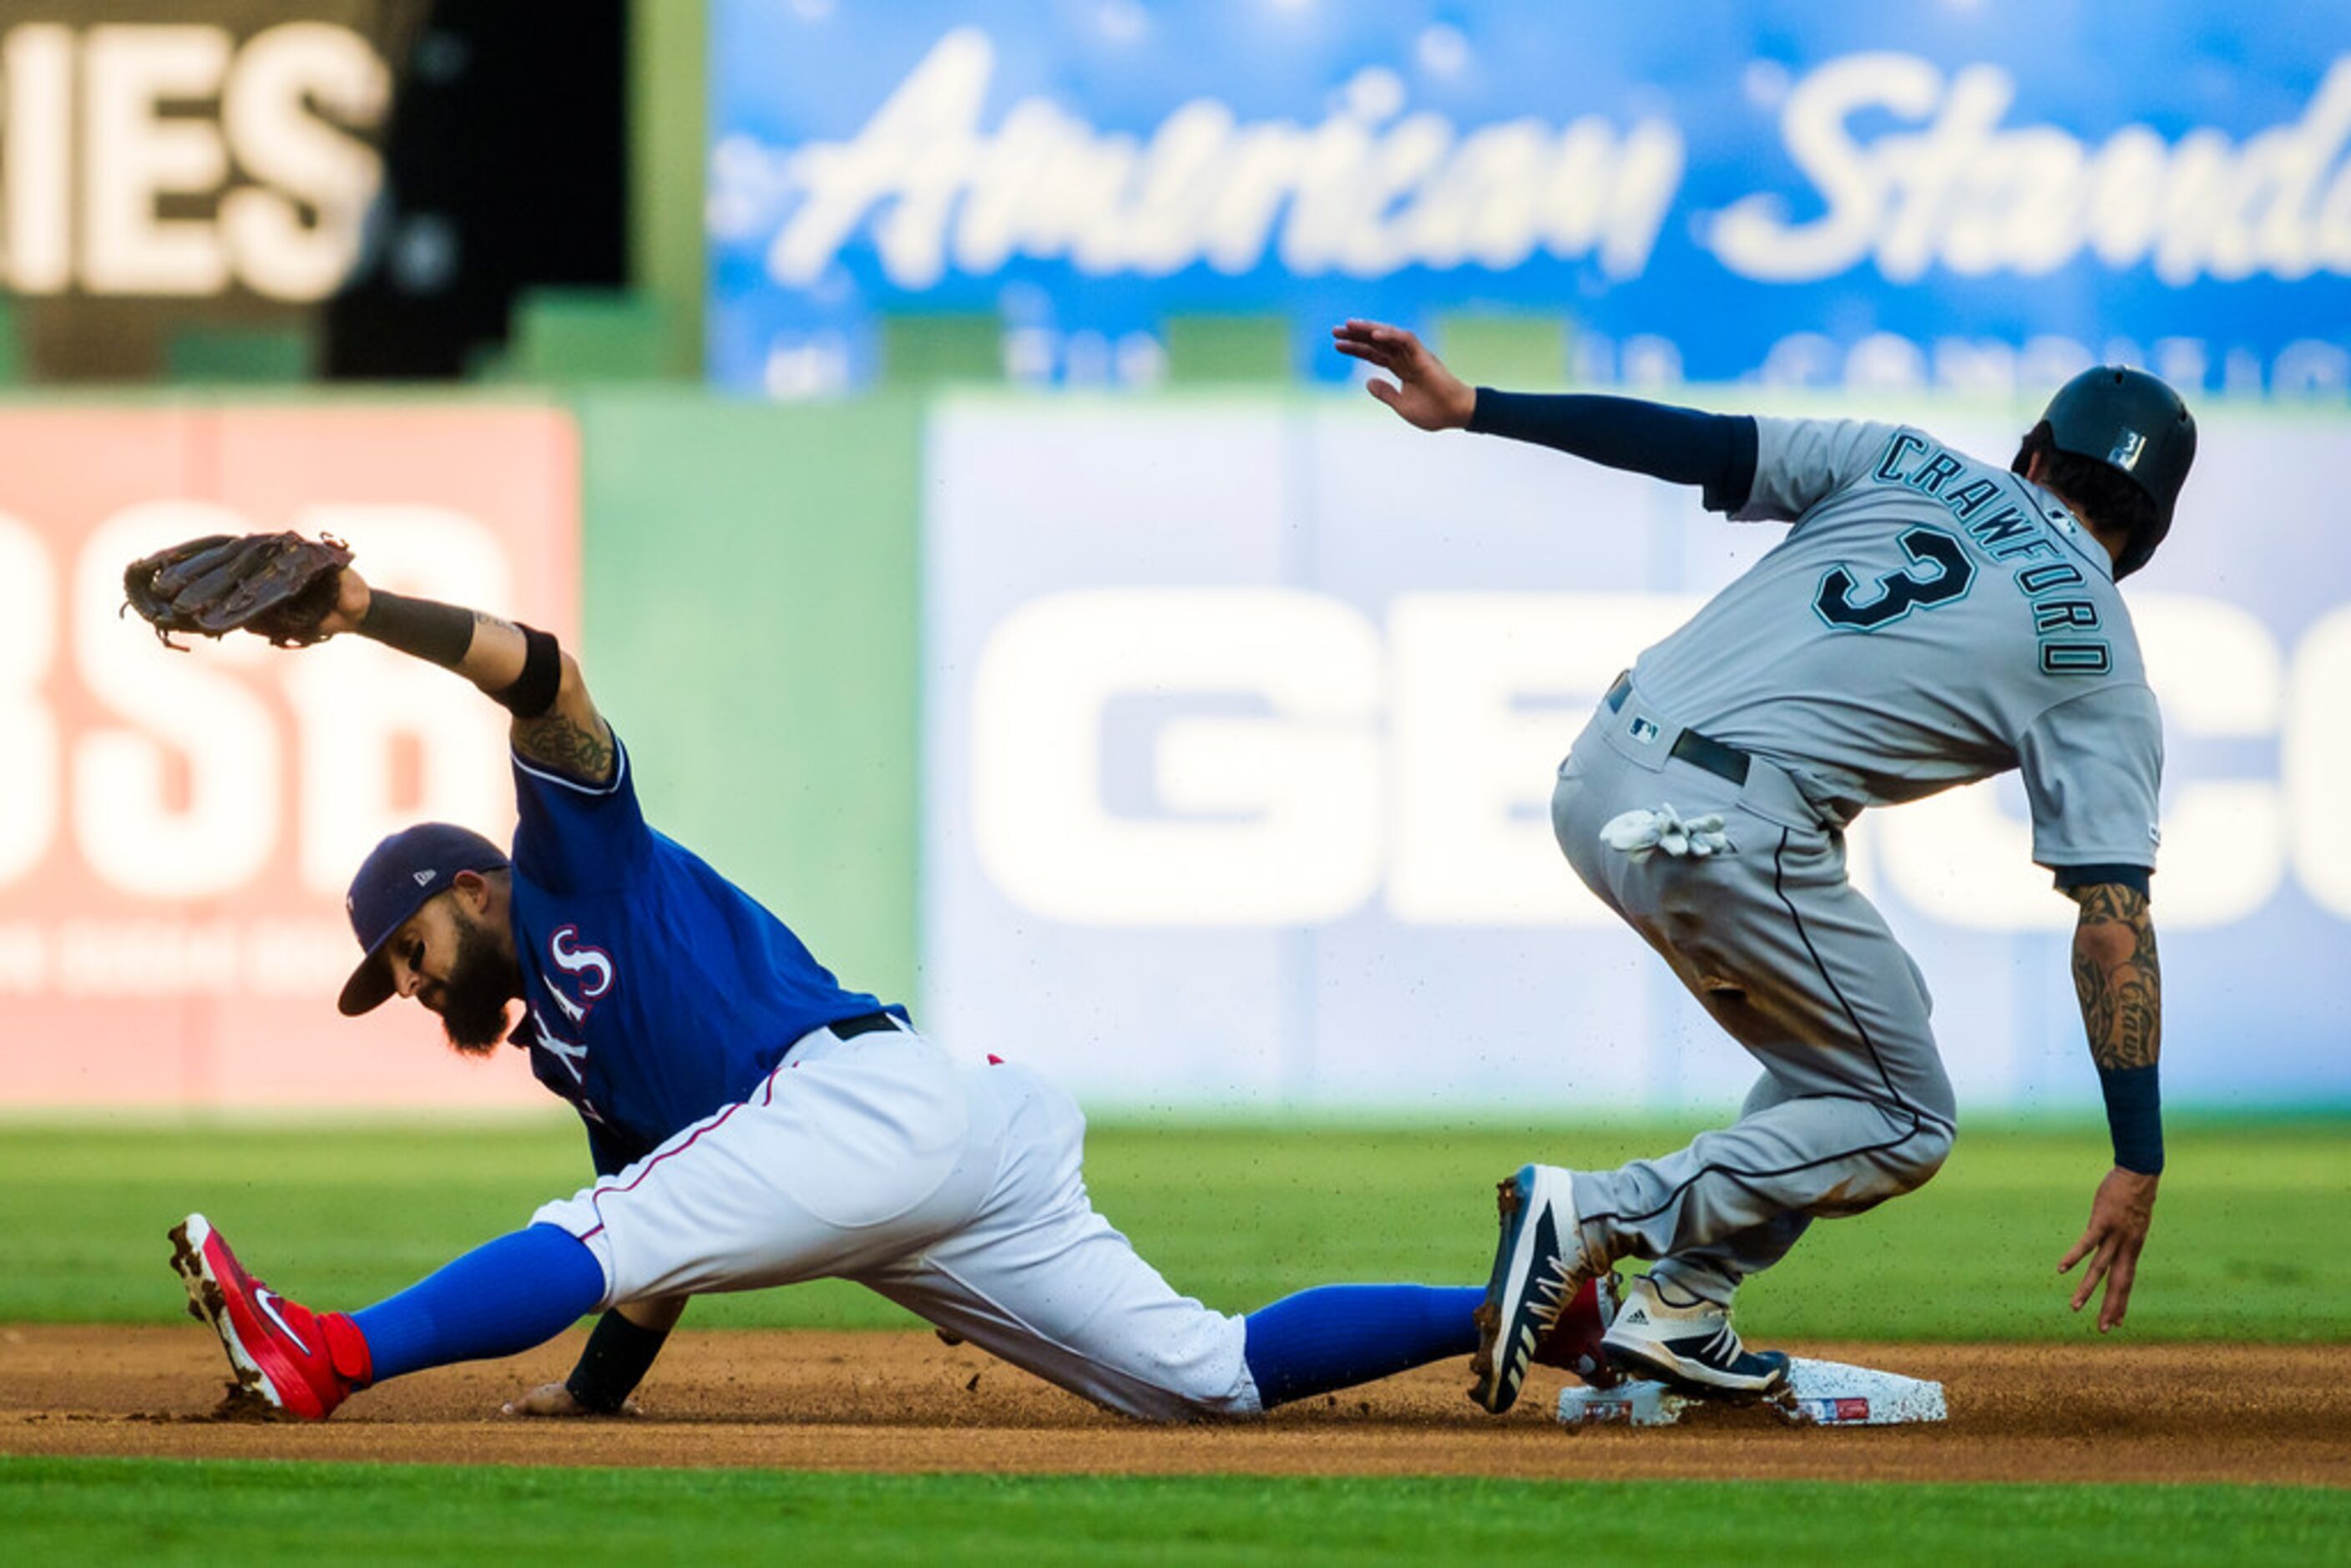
(1725, 762)
(863, 1023)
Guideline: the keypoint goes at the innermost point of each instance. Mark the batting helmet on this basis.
(2134, 423)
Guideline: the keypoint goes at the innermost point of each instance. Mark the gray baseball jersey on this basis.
(1930, 620)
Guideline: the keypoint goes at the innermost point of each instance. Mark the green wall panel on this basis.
(750, 622)
(668, 149)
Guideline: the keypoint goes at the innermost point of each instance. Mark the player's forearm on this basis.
(2118, 979)
(620, 1350)
(555, 722)
(656, 1314)
(1683, 446)
(485, 649)
(2118, 976)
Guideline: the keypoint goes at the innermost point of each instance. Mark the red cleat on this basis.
(284, 1354)
(1572, 1342)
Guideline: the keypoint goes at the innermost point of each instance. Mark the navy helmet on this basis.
(2136, 424)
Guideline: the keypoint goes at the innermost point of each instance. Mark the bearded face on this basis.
(472, 1001)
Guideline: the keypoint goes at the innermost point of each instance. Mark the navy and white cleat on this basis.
(1689, 1346)
(1538, 1268)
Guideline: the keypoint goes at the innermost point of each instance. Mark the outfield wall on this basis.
(179, 827)
(1194, 749)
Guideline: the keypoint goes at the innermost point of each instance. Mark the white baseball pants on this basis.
(953, 1188)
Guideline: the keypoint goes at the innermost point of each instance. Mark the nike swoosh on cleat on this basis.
(266, 1299)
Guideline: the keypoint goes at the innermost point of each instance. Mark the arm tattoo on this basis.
(2122, 1004)
(559, 743)
(484, 618)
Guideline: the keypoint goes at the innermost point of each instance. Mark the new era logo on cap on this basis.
(423, 878)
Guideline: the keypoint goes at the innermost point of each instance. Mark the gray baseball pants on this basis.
(1853, 1106)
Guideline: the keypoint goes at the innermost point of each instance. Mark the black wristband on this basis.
(2134, 1117)
(425, 628)
(533, 691)
(618, 1356)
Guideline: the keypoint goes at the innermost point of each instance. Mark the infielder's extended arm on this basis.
(619, 1353)
(2119, 981)
(556, 723)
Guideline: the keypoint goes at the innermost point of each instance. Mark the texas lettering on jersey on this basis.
(595, 973)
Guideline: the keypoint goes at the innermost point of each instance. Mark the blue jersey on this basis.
(656, 990)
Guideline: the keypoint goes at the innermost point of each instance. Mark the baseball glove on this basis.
(278, 586)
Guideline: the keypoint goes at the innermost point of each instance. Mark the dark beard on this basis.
(481, 981)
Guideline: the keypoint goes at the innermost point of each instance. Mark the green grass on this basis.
(156, 1511)
(2252, 1236)
(248, 1512)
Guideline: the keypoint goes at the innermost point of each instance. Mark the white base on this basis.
(1819, 1394)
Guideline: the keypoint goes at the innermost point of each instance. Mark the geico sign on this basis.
(288, 179)
(1324, 764)
(178, 790)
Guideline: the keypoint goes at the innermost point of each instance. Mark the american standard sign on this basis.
(1907, 215)
(1367, 191)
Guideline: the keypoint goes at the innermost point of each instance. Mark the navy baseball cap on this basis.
(392, 884)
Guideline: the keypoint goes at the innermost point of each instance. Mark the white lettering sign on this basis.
(93, 154)
(1306, 813)
(1268, 820)
(1368, 191)
(1964, 193)
(185, 795)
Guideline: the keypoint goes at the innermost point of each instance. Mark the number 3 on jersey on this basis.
(1899, 593)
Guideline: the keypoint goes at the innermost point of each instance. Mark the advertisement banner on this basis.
(1242, 721)
(179, 826)
(1982, 195)
(181, 172)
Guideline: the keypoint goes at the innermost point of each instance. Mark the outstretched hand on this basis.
(1423, 392)
(2120, 1216)
(555, 1399)
(352, 597)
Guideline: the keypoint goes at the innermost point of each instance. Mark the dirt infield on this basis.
(898, 1402)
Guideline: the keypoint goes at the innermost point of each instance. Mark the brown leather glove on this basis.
(278, 586)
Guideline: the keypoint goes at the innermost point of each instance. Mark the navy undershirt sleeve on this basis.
(2133, 877)
(1683, 446)
(608, 1152)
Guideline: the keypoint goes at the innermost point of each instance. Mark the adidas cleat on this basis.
(1688, 1345)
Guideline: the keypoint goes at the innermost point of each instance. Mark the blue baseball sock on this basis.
(1335, 1336)
(504, 1296)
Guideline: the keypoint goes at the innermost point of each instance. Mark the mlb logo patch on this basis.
(1643, 731)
